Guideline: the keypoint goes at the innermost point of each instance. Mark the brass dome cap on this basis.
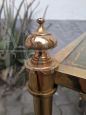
(40, 39)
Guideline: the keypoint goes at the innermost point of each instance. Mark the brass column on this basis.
(41, 70)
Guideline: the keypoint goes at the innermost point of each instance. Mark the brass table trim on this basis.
(74, 71)
(62, 54)
(39, 94)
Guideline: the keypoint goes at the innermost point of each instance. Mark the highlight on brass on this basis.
(40, 39)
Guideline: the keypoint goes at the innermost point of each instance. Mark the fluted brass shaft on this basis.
(43, 106)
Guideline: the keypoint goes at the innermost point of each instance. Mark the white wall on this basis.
(59, 9)
(63, 9)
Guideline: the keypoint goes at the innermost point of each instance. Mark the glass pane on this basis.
(78, 57)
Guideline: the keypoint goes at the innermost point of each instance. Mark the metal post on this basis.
(41, 70)
(43, 106)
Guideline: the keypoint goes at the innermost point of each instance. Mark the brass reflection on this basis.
(41, 69)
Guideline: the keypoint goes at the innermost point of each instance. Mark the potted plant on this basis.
(13, 31)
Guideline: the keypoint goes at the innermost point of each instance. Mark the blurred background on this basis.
(66, 20)
(58, 9)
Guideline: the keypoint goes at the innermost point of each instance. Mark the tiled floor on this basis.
(65, 101)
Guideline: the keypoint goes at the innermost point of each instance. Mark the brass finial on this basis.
(40, 20)
(40, 29)
(40, 41)
(41, 69)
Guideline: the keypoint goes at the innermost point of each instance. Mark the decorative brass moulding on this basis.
(41, 68)
(41, 41)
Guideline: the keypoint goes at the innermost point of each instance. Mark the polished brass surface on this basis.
(45, 72)
(41, 57)
(72, 82)
(40, 39)
(74, 71)
(41, 86)
(44, 105)
(41, 70)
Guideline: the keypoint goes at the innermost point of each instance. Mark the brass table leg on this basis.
(41, 86)
(43, 106)
(41, 69)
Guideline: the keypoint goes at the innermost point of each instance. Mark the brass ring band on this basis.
(50, 93)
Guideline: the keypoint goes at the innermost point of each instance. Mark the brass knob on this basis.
(40, 20)
(40, 40)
